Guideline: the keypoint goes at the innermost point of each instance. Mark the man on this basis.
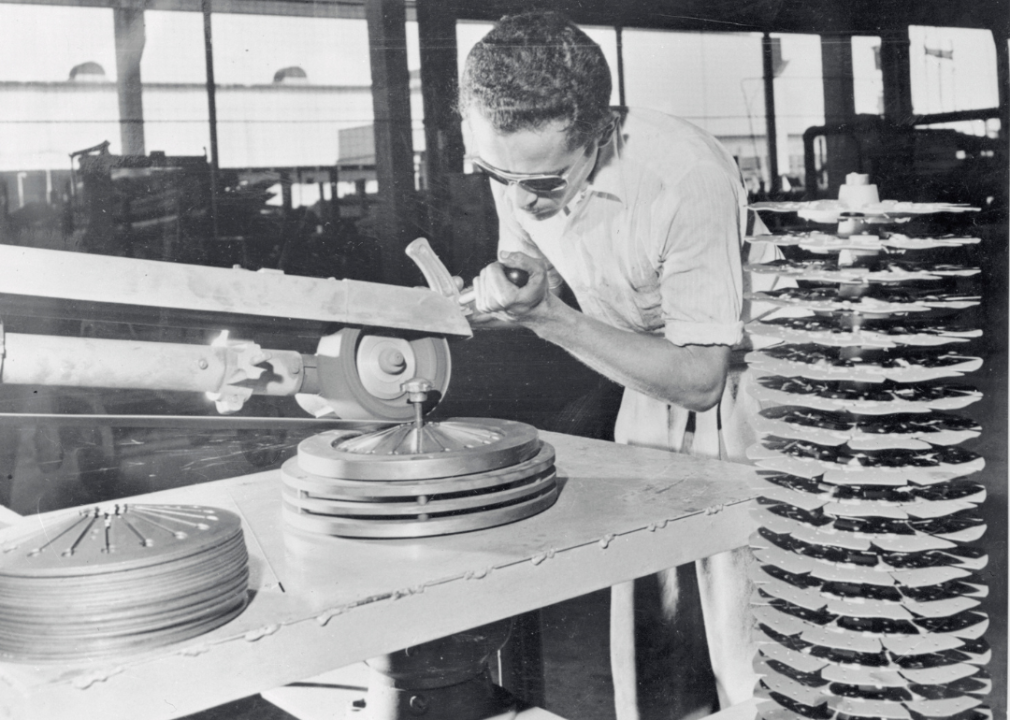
(640, 215)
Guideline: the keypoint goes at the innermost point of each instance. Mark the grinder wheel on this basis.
(448, 477)
(361, 372)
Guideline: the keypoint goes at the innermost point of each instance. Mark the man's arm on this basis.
(691, 376)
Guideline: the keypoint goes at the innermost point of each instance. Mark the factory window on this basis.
(867, 78)
(799, 101)
(712, 80)
(173, 72)
(268, 123)
(715, 80)
(57, 95)
(952, 69)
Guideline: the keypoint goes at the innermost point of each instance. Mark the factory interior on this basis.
(187, 175)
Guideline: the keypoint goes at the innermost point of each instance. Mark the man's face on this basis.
(536, 153)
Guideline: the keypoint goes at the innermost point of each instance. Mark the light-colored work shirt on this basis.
(651, 245)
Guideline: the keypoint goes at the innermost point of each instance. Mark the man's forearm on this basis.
(691, 376)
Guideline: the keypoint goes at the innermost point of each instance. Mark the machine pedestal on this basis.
(445, 679)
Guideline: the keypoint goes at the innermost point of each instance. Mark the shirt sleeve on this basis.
(700, 274)
(512, 237)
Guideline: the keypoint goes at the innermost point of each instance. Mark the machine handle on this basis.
(435, 273)
(517, 277)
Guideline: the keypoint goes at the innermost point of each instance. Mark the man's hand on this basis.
(496, 296)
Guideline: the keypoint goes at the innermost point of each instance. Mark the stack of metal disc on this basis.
(405, 481)
(868, 587)
(126, 579)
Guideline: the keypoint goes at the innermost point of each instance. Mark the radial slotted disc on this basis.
(127, 578)
(443, 449)
(453, 476)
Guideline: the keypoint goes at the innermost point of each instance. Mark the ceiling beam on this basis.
(857, 17)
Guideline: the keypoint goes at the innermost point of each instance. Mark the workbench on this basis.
(319, 603)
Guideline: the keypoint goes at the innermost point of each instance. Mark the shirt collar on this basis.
(607, 180)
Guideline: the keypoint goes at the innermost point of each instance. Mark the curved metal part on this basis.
(360, 372)
(435, 273)
(481, 445)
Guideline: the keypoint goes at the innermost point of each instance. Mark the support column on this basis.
(895, 66)
(443, 136)
(1003, 76)
(130, 37)
(208, 49)
(619, 33)
(771, 130)
(394, 152)
(839, 107)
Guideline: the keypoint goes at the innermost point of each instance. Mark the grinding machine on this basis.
(380, 470)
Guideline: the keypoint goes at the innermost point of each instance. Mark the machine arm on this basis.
(390, 334)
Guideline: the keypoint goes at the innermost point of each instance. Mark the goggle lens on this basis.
(544, 185)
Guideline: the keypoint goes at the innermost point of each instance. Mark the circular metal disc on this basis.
(35, 652)
(466, 502)
(127, 578)
(478, 445)
(123, 537)
(399, 528)
(408, 491)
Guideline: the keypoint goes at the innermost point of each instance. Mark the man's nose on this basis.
(523, 197)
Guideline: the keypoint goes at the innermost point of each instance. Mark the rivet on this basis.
(418, 704)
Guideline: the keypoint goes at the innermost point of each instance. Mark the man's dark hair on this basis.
(536, 68)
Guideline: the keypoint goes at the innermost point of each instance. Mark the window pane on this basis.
(42, 43)
(287, 86)
(799, 101)
(173, 72)
(952, 69)
(57, 88)
(715, 80)
(868, 83)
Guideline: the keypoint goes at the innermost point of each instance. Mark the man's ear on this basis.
(607, 134)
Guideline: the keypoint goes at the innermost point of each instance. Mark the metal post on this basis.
(895, 67)
(620, 65)
(208, 47)
(334, 202)
(771, 131)
(1003, 74)
(130, 39)
(394, 152)
(839, 107)
(443, 136)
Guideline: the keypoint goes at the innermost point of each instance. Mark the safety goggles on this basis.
(530, 182)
